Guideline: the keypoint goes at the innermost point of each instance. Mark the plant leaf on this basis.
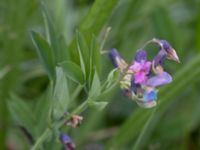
(96, 55)
(98, 15)
(22, 113)
(45, 53)
(51, 33)
(61, 94)
(96, 86)
(83, 52)
(98, 105)
(93, 22)
(113, 76)
(73, 71)
(42, 110)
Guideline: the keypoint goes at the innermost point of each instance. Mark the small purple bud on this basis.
(117, 61)
(166, 46)
(113, 55)
(67, 142)
(170, 52)
(64, 138)
(141, 55)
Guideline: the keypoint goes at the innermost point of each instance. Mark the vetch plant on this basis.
(74, 76)
(75, 84)
(141, 79)
(56, 103)
(86, 78)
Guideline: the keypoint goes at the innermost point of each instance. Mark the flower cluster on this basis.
(141, 79)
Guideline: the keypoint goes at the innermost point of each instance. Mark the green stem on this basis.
(144, 130)
(47, 132)
(57, 125)
(78, 110)
(42, 138)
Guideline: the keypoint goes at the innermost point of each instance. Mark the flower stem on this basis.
(47, 132)
(154, 40)
(41, 139)
(78, 110)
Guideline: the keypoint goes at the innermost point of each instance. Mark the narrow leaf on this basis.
(83, 53)
(98, 15)
(51, 33)
(96, 86)
(98, 105)
(61, 94)
(42, 110)
(113, 76)
(73, 71)
(45, 53)
(22, 113)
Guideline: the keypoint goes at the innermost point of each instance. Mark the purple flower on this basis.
(160, 57)
(117, 61)
(140, 67)
(166, 51)
(142, 78)
(159, 80)
(141, 55)
(67, 142)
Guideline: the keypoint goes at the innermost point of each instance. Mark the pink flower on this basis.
(141, 70)
(140, 78)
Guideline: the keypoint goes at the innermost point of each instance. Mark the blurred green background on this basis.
(176, 124)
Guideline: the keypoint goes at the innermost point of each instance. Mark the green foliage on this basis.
(45, 53)
(95, 90)
(22, 113)
(98, 105)
(61, 94)
(73, 71)
(73, 53)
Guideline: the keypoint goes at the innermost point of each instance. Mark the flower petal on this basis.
(149, 99)
(64, 138)
(160, 57)
(146, 67)
(141, 55)
(171, 53)
(150, 96)
(117, 61)
(148, 104)
(136, 66)
(160, 79)
(165, 44)
(140, 78)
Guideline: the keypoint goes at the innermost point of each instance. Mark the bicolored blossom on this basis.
(67, 142)
(74, 121)
(142, 78)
